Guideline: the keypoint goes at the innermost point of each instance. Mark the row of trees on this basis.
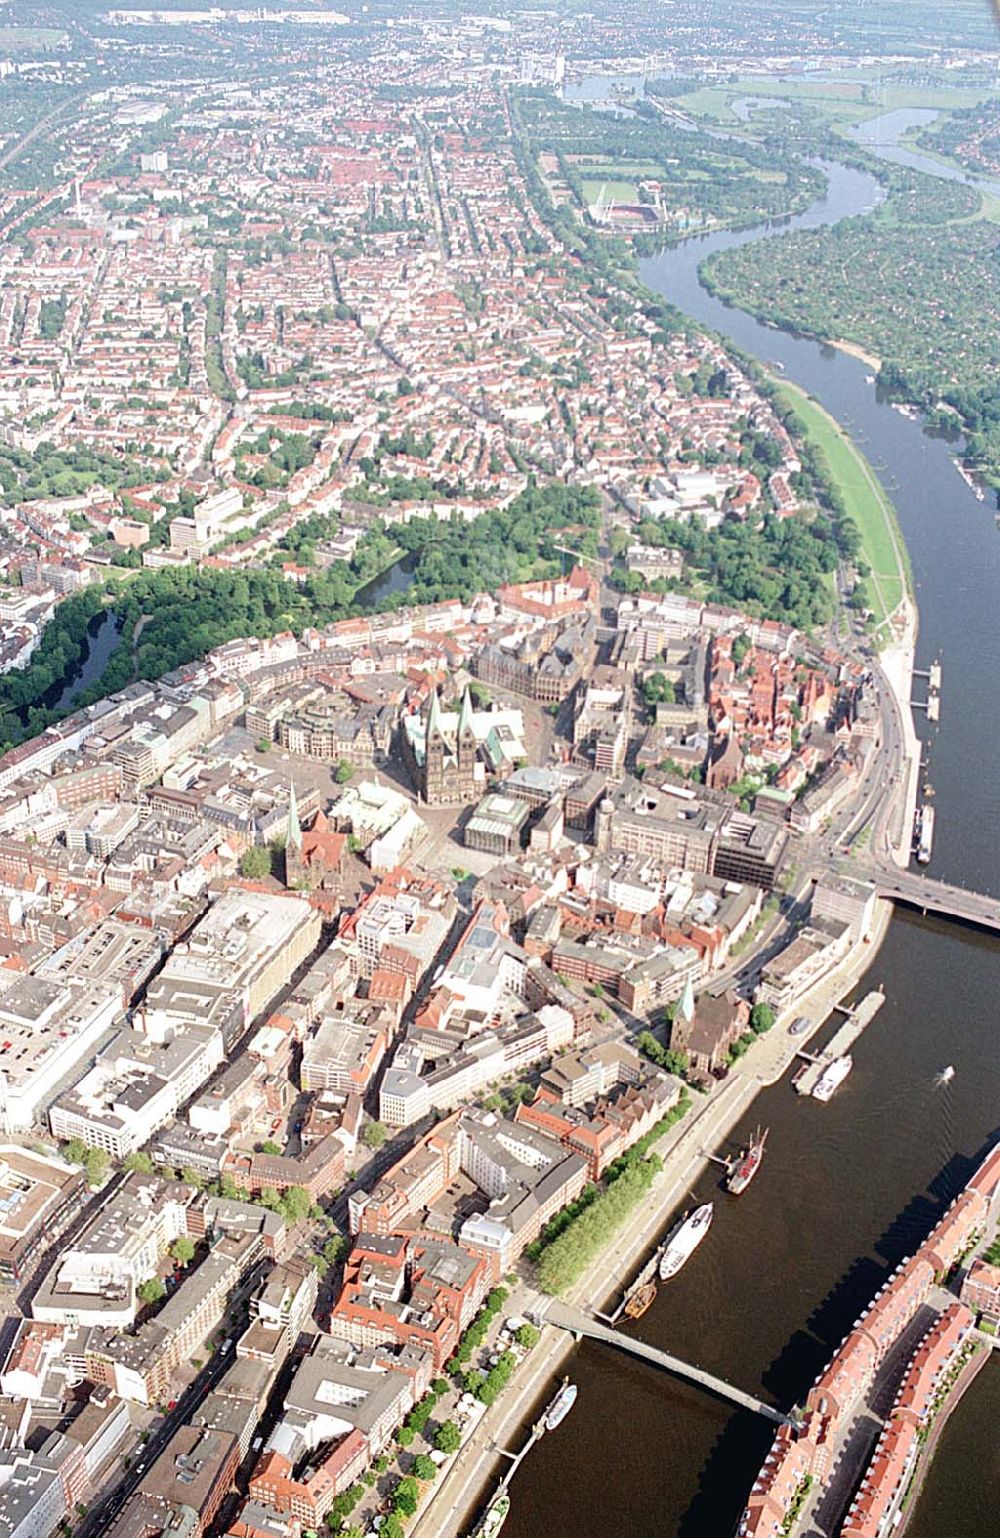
(566, 1259)
(474, 1336)
(577, 1235)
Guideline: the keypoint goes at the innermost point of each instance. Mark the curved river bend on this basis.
(850, 1188)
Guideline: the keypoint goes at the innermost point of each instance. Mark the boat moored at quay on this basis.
(747, 1163)
(832, 1077)
(684, 1239)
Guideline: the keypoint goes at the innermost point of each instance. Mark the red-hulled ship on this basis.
(749, 1162)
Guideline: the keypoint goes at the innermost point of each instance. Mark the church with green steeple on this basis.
(293, 833)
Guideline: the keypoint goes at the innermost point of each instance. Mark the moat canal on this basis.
(850, 1188)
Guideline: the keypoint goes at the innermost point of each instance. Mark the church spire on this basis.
(465, 714)
(293, 837)
(685, 1008)
(434, 716)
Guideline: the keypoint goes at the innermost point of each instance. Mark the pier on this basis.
(932, 704)
(551, 1311)
(515, 1460)
(858, 1019)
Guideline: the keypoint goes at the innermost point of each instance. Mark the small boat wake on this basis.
(944, 1099)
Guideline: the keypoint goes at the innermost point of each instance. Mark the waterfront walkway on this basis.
(566, 1318)
(459, 1494)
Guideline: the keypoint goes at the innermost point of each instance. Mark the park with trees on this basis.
(913, 283)
(717, 183)
(189, 611)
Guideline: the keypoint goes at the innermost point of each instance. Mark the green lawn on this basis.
(710, 101)
(15, 39)
(867, 503)
(843, 99)
(597, 165)
(622, 192)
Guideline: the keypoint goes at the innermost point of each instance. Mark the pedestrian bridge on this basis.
(566, 1318)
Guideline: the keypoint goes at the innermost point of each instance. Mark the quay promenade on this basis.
(685, 1151)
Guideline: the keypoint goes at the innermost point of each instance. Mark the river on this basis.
(850, 1188)
(885, 136)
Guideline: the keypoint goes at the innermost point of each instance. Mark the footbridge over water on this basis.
(566, 1318)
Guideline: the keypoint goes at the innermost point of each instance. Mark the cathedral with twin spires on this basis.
(442, 753)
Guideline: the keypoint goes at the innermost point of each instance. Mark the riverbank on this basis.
(897, 662)
(685, 1152)
(964, 1381)
(390, 578)
(866, 503)
(854, 351)
(884, 1120)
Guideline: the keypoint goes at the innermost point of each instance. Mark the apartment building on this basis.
(428, 1074)
(39, 1197)
(139, 1367)
(527, 1177)
(94, 1279)
(401, 926)
(419, 1293)
(347, 1047)
(184, 1488)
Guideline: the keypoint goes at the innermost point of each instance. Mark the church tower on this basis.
(293, 840)
(433, 787)
(466, 749)
(683, 1020)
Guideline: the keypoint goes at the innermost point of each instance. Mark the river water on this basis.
(884, 136)
(394, 580)
(850, 1188)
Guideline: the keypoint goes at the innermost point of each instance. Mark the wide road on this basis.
(934, 896)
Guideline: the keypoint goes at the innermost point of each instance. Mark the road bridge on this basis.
(566, 1318)
(932, 896)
